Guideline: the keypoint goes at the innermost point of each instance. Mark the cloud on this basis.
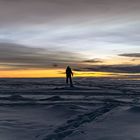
(60, 11)
(14, 56)
(130, 55)
(79, 69)
(90, 25)
(19, 57)
(112, 68)
(96, 60)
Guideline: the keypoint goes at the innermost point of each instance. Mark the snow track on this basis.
(71, 125)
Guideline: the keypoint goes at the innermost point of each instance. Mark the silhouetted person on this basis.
(69, 75)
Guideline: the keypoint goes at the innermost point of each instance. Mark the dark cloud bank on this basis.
(21, 57)
(96, 60)
(116, 68)
(131, 55)
(131, 69)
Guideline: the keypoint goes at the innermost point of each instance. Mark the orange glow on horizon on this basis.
(31, 73)
(52, 73)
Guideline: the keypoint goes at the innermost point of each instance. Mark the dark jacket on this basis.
(69, 71)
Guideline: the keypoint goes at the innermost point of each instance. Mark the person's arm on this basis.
(71, 73)
(66, 71)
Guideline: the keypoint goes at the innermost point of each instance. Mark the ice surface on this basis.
(47, 109)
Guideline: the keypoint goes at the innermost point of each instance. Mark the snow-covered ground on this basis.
(47, 109)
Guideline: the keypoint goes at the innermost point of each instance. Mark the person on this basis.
(69, 75)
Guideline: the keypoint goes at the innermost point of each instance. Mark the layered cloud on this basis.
(95, 60)
(14, 56)
(131, 55)
(82, 25)
(112, 68)
(60, 11)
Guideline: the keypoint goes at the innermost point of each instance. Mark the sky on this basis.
(39, 38)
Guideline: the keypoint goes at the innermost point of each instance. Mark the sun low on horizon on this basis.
(96, 39)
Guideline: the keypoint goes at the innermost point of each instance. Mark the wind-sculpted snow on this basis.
(56, 86)
(47, 109)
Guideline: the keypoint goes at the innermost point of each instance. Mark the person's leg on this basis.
(71, 84)
(66, 79)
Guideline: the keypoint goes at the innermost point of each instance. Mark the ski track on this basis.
(71, 125)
